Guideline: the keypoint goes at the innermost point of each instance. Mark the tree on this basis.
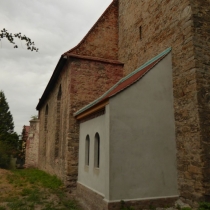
(10, 37)
(8, 138)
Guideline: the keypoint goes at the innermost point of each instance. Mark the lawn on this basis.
(32, 189)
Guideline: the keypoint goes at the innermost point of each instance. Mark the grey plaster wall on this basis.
(142, 138)
(96, 179)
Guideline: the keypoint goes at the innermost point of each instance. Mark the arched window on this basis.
(46, 110)
(58, 123)
(45, 129)
(59, 93)
(45, 120)
(87, 150)
(97, 151)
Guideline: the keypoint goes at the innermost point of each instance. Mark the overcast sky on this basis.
(55, 26)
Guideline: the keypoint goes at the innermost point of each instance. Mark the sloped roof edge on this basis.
(53, 78)
(113, 90)
(94, 58)
(69, 51)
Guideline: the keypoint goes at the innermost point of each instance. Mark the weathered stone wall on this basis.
(176, 24)
(81, 81)
(51, 160)
(201, 40)
(102, 40)
(146, 28)
(32, 145)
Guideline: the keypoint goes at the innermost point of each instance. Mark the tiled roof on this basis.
(126, 81)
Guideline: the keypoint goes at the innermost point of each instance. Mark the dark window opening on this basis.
(59, 93)
(140, 32)
(46, 110)
(97, 151)
(87, 150)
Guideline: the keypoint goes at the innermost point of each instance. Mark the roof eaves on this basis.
(52, 80)
(156, 58)
(94, 58)
(165, 52)
(95, 101)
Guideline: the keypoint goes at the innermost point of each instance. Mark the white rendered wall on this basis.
(97, 179)
(142, 138)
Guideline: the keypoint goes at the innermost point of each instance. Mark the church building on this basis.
(125, 115)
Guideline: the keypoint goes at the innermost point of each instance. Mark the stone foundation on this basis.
(91, 200)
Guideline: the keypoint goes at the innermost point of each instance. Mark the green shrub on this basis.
(204, 206)
(186, 208)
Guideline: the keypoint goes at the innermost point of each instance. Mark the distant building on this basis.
(32, 145)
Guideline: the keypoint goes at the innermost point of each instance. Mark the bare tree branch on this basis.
(10, 37)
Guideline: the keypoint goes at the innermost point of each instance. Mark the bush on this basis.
(204, 206)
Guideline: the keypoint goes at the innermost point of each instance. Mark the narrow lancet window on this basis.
(97, 151)
(87, 150)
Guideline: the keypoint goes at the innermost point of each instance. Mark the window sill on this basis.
(96, 170)
(86, 168)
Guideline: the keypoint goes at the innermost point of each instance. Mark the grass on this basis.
(33, 176)
(32, 189)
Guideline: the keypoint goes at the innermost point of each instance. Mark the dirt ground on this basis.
(6, 189)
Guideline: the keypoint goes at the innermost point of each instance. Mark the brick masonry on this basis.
(81, 81)
(201, 19)
(32, 145)
(184, 26)
(102, 40)
(134, 32)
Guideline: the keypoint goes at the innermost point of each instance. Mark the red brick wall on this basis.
(82, 81)
(102, 39)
